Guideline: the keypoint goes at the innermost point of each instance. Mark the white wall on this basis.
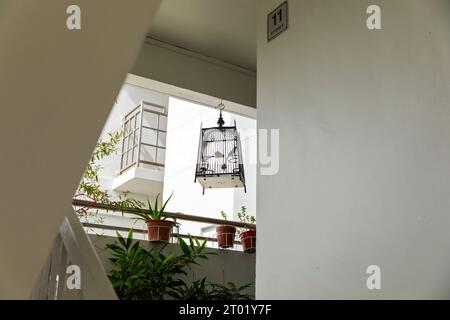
(364, 119)
(183, 134)
(198, 73)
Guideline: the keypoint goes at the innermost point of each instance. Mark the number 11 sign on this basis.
(277, 21)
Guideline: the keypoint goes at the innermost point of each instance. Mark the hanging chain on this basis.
(221, 106)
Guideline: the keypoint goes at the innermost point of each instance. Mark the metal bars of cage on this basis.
(219, 158)
(240, 160)
(218, 154)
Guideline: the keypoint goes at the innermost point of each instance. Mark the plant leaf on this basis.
(165, 203)
(149, 205)
(130, 238)
(191, 242)
(184, 247)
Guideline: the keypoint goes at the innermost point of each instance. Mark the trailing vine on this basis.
(90, 187)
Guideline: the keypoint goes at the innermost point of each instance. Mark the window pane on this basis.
(148, 153)
(149, 136)
(135, 154)
(161, 139)
(163, 123)
(150, 120)
(129, 161)
(161, 156)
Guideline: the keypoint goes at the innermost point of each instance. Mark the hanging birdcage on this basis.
(219, 161)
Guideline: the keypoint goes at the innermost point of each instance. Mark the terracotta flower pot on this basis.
(248, 240)
(225, 236)
(159, 230)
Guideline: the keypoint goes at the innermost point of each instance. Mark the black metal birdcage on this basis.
(219, 161)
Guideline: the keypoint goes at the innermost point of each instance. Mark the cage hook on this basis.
(221, 106)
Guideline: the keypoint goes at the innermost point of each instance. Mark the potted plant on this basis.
(159, 229)
(225, 234)
(142, 273)
(248, 237)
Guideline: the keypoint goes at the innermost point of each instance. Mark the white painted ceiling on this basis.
(222, 29)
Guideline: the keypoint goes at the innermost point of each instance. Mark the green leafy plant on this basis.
(128, 275)
(245, 218)
(229, 291)
(148, 274)
(223, 215)
(202, 290)
(154, 213)
(89, 185)
(197, 290)
(242, 215)
(139, 273)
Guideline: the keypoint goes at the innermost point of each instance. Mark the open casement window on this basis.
(144, 137)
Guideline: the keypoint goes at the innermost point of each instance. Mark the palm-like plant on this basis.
(229, 291)
(139, 273)
(128, 276)
(197, 290)
(154, 213)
